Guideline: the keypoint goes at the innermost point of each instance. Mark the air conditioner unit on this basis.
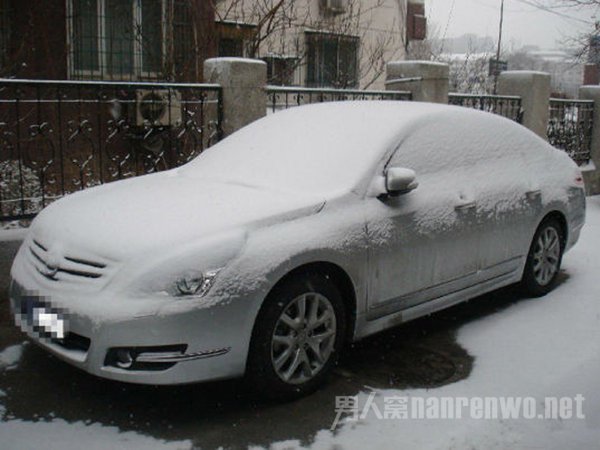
(158, 107)
(334, 6)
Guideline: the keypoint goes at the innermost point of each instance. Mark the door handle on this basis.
(533, 194)
(466, 206)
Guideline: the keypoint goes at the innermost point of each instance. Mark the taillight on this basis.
(579, 179)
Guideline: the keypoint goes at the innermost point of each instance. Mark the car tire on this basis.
(302, 323)
(544, 259)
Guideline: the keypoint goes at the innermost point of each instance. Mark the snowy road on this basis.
(499, 345)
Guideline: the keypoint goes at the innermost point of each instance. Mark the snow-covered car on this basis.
(306, 230)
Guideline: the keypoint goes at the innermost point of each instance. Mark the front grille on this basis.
(55, 266)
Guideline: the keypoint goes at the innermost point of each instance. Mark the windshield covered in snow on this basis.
(322, 149)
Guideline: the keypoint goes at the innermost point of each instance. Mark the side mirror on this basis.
(400, 181)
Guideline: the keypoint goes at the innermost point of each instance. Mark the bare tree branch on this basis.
(279, 27)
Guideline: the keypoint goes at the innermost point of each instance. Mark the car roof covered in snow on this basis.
(322, 148)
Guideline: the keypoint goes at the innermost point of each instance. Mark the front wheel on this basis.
(297, 337)
(544, 259)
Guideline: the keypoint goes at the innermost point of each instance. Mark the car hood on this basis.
(146, 214)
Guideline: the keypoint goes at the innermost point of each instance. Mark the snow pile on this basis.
(10, 357)
(588, 166)
(19, 181)
(13, 233)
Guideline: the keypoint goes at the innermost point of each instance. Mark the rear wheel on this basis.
(297, 337)
(544, 259)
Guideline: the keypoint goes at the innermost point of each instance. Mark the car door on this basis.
(424, 244)
(505, 211)
(508, 197)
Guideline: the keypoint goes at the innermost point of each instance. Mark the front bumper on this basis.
(168, 348)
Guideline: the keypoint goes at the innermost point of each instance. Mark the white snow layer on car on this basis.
(302, 148)
(328, 148)
(288, 165)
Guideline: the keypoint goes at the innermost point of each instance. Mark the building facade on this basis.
(106, 39)
(321, 43)
(316, 43)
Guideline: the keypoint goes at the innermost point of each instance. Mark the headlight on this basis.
(196, 285)
(185, 271)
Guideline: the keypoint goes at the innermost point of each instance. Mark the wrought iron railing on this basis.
(504, 105)
(280, 98)
(57, 137)
(570, 127)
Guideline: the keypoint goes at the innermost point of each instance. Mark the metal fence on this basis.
(280, 98)
(504, 105)
(57, 137)
(5, 32)
(570, 127)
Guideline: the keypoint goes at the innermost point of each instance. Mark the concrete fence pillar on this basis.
(534, 90)
(243, 82)
(429, 80)
(592, 175)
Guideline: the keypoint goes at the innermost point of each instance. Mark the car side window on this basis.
(464, 140)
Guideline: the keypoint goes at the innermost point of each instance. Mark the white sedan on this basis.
(309, 229)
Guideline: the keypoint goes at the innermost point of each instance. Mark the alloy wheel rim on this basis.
(303, 338)
(546, 256)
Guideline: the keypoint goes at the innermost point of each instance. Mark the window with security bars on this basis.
(281, 69)
(128, 39)
(234, 38)
(331, 60)
(231, 47)
(4, 33)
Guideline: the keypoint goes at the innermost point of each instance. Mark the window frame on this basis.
(272, 73)
(234, 31)
(317, 79)
(102, 73)
(5, 34)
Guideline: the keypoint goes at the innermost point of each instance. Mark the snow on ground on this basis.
(10, 356)
(12, 234)
(60, 435)
(536, 348)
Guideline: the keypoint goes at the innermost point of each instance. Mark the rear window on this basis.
(462, 139)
